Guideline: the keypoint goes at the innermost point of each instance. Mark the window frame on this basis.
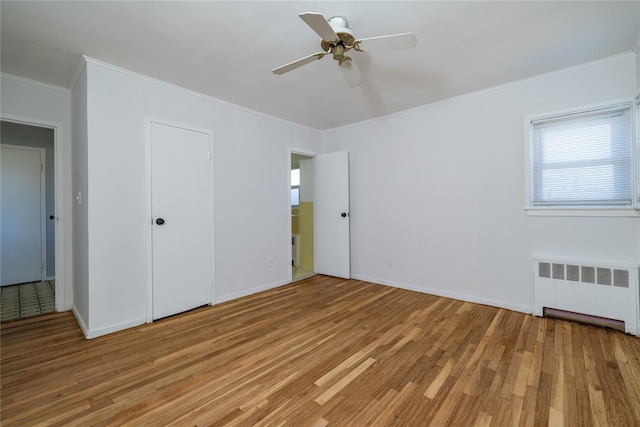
(585, 209)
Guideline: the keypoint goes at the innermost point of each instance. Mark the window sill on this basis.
(584, 212)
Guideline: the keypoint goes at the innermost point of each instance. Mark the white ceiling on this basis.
(227, 49)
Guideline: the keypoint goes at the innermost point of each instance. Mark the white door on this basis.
(21, 224)
(182, 231)
(331, 214)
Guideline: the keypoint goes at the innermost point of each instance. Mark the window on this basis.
(582, 159)
(295, 187)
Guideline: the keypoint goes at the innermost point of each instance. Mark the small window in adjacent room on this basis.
(582, 159)
(295, 187)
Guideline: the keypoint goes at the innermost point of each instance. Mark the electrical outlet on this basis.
(269, 261)
(389, 265)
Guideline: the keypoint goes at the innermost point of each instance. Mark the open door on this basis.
(23, 204)
(331, 214)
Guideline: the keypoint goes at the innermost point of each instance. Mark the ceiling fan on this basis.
(337, 39)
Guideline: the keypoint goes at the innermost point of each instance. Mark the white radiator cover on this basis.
(595, 288)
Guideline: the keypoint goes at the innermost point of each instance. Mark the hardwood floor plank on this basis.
(610, 375)
(325, 352)
(527, 415)
(520, 386)
(557, 388)
(484, 420)
(512, 374)
(515, 410)
(389, 415)
(439, 380)
(337, 387)
(500, 413)
(543, 398)
(347, 363)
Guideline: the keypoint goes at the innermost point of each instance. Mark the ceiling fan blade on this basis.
(351, 73)
(298, 63)
(394, 41)
(320, 25)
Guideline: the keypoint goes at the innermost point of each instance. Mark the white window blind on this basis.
(583, 159)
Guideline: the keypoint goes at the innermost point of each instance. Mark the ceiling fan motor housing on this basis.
(341, 28)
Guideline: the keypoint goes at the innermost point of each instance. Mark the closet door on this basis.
(182, 231)
(331, 214)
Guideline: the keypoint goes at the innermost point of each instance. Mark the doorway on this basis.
(28, 220)
(302, 241)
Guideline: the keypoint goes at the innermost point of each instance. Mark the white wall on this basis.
(251, 194)
(31, 102)
(638, 67)
(80, 201)
(439, 191)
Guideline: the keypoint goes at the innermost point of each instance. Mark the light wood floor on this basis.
(323, 351)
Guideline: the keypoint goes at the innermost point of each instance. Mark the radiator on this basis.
(602, 289)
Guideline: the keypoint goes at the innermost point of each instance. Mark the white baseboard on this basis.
(94, 333)
(89, 333)
(80, 321)
(251, 291)
(445, 294)
(115, 328)
(438, 292)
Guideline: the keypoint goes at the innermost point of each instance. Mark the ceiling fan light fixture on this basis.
(338, 52)
(339, 25)
(345, 35)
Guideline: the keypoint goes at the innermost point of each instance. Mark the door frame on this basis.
(60, 192)
(291, 151)
(148, 221)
